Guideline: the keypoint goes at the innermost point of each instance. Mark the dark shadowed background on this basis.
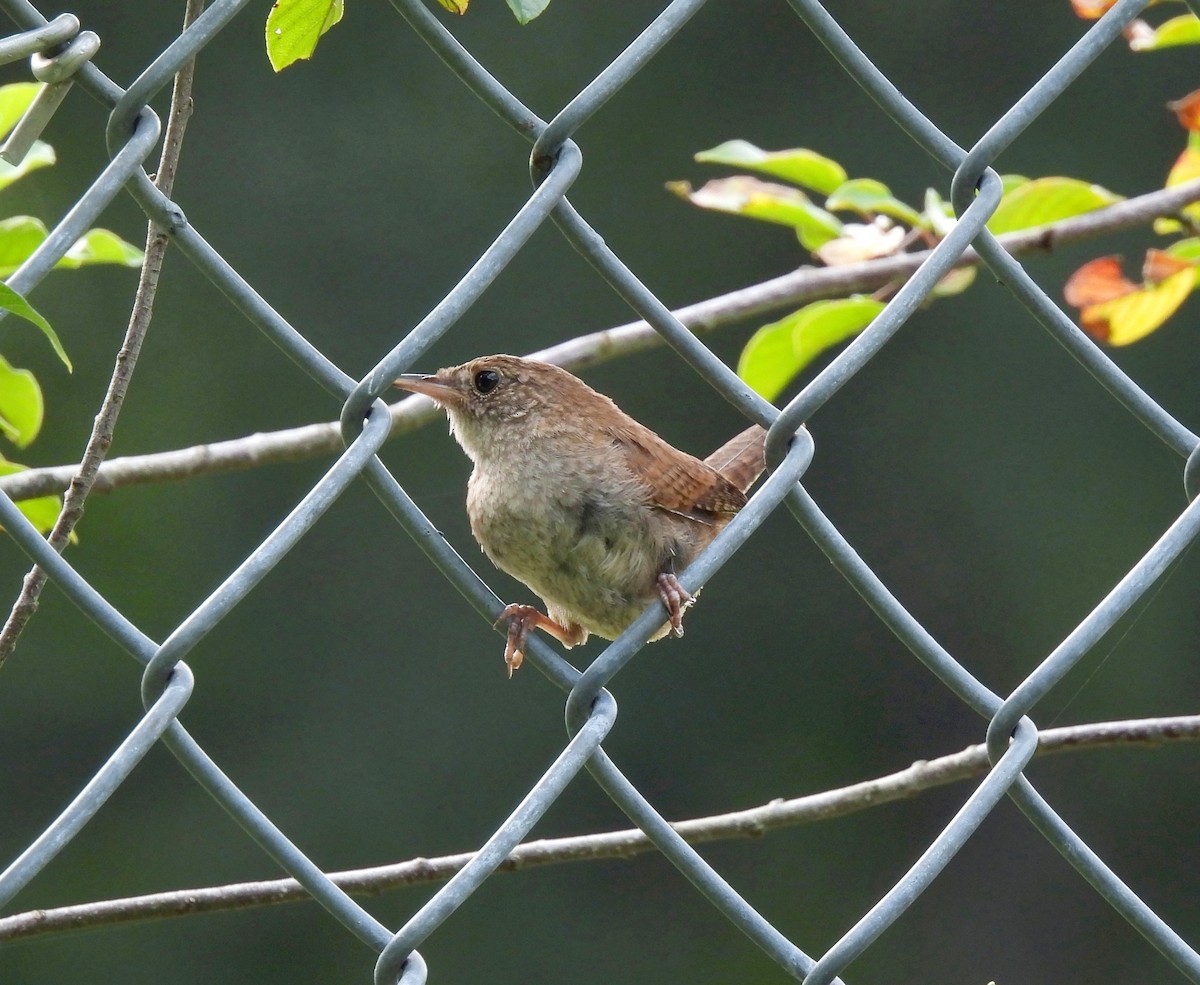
(989, 481)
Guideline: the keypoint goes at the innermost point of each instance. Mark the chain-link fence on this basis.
(133, 131)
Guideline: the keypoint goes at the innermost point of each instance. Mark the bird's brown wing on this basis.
(677, 481)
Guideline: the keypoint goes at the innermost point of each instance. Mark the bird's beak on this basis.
(441, 393)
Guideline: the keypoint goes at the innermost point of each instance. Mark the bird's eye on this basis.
(486, 380)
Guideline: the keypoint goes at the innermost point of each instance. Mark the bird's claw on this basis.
(521, 620)
(675, 599)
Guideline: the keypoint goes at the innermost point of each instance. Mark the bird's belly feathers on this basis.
(594, 560)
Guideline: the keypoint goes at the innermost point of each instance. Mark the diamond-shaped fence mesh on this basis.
(591, 712)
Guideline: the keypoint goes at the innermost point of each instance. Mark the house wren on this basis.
(570, 495)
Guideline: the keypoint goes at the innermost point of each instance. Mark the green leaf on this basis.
(1011, 182)
(801, 166)
(42, 511)
(21, 405)
(526, 10)
(939, 214)
(20, 235)
(826, 323)
(1185, 168)
(777, 352)
(10, 300)
(954, 282)
(101, 246)
(40, 155)
(1184, 29)
(781, 204)
(14, 101)
(768, 362)
(295, 26)
(870, 198)
(1185, 249)
(1046, 200)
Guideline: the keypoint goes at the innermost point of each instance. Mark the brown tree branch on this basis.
(752, 823)
(83, 477)
(798, 287)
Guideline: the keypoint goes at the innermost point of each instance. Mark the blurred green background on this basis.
(989, 481)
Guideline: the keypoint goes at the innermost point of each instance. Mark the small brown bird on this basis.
(573, 497)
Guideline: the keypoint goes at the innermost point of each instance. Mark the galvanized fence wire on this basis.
(133, 131)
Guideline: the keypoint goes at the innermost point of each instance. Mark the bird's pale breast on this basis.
(592, 550)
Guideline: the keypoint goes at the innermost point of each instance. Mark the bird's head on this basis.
(494, 400)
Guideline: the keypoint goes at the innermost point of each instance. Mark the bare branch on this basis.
(80, 483)
(752, 823)
(798, 287)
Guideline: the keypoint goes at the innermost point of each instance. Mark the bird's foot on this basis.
(675, 599)
(522, 620)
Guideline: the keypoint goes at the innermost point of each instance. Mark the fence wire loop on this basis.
(56, 71)
(61, 66)
(62, 55)
(49, 35)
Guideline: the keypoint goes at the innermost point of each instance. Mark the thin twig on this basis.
(798, 287)
(752, 823)
(84, 475)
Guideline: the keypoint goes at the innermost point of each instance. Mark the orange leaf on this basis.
(1096, 282)
(1160, 265)
(1187, 110)
(1091, 10)
(1096, 323)
(1138, 313)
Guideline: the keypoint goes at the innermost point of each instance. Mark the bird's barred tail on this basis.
(741, 459)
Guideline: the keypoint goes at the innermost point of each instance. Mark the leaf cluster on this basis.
(842, 220)
(295, 26)
(858, 219)
(22, 407)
